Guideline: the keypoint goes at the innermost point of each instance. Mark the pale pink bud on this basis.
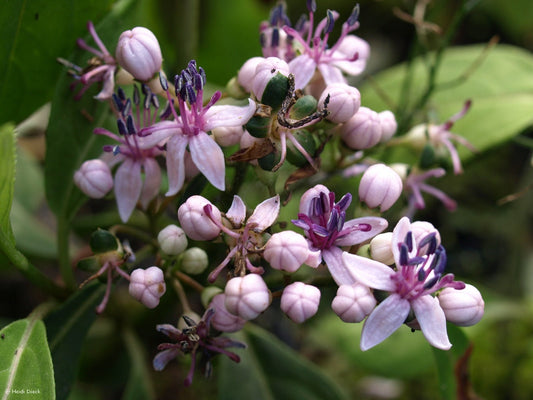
(246, 74)
(94, 178)
(266, 70)
(194, 220)
(223, 320)
(420, 230)
(227, 135)
(194, 261)
(286, 251)
(172, 240)
(300, 301)
(381, 248)
(380, 186)
(363, 130)
(353, 302)
(388, 125)
(147, 285)
(344, 101)
(247, 296)
(138, 52)
(463, 307)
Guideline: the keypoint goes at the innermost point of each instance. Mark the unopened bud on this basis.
(246, 74)
(172, 240)
(222, 319)
(363, 130)
(94, 178)
(388, 125)
(300, 301)
(463, 307)
(227, 135)
(138, 52)
(270, 83)
(194, 220)
(381, 248)
(286, 251)
(344, 102)
(147, 286)
(247, 296)
(194, 261)
(380, 186)
(353, 302)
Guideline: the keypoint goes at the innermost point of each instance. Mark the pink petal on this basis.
(152, 181)
(303, 68)
(265, 214)
(432, 321)
(340, 273)
(160, 132)
(208, 157)
(128, 185)
(331, 74)
(237, 212)
(386, 318)
(162, 358)
(369, 272)
(218, 116)
(175, 164)
(398, 236)
(377, 225)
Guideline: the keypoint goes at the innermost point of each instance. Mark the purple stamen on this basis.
(330, 22)
(354, 16)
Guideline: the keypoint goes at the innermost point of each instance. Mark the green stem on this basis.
(63, 250)
(27, 269)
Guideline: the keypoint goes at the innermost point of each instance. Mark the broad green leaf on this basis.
(34, 33)
(139, 386)
(501, 90)
(404, 354)
(67, 327)
(25, 366)
(7, 177)
(269, 369)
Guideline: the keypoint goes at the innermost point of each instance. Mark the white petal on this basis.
(377, 225)
(398, 236)
(165, 129)
(128, 185)
(369, 272)
(218, 116)
(152, 181)
(331, 74)
(175, 164)
(337, 268)
(432, 321)
(265, 214)
(208, 157)
(303, 68)
(237, 212)
(386, 318)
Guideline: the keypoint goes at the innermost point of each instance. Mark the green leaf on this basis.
(139, 386)
(269, 369)
(501, 90)
(25, 366)
(34, 33)
(7, 177)
(67, 327)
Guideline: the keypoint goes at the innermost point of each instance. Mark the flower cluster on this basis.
(292, 105)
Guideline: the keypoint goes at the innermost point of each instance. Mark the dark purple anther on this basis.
(409, 241)
(136, 96)
(130, 125)
(330, 22)
(163, 82)
(311, 6)
(354, 16)
(121, 127)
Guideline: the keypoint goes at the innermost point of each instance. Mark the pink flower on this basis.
(326, 229)
(418, 274)
(189, 130)
(348, 54)
(300, 301)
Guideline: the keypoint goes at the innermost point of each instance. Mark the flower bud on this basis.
(286, 251)
(246, 74)
(420, 230)
(344, 102)
(381, 248)
(353, 302)
(300, 301)
(147, 286)
(363, 130)
(94, 178)
(388, 125)
(247, 296)
(270, 83)
(208, 294)
(194, 261)
(380, 186)
(463, 307)
(138, 52)
(194, 220)
(172, 240)
(222, 320)
(227, 135)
